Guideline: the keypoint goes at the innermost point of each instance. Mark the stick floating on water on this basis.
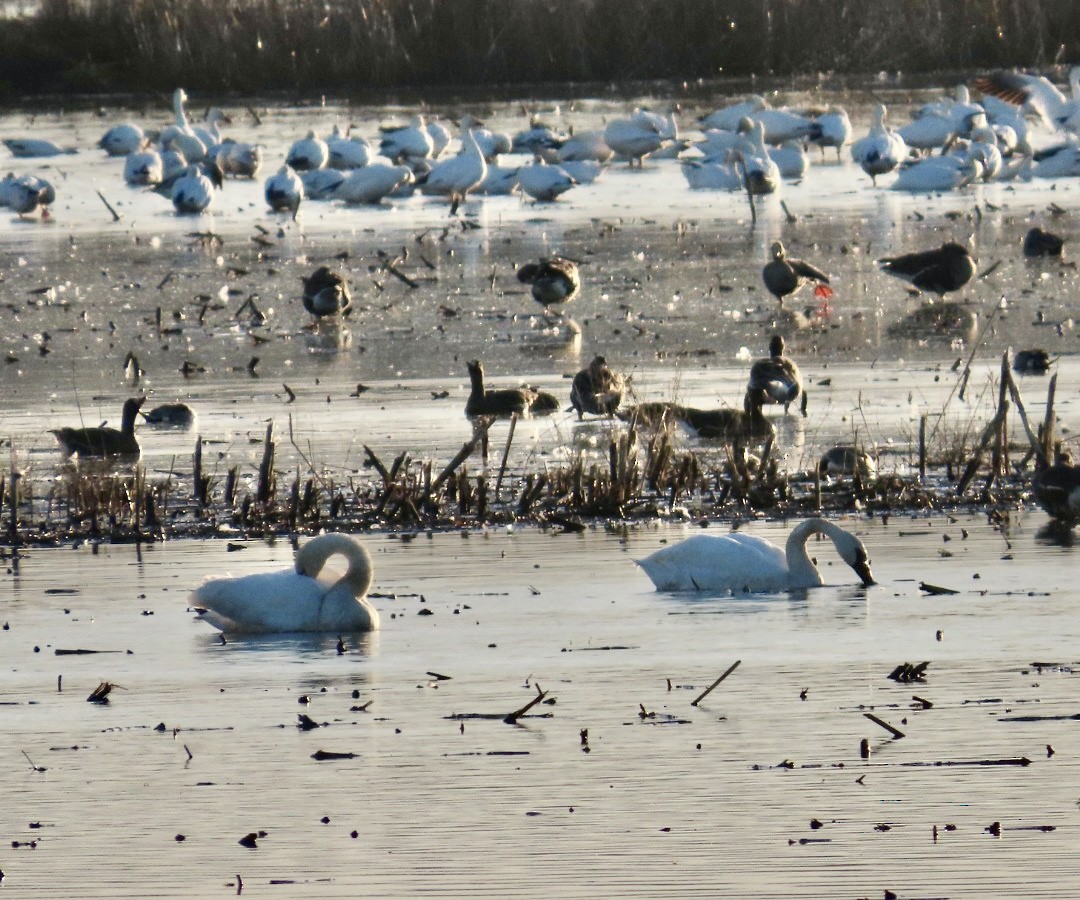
(710, 688)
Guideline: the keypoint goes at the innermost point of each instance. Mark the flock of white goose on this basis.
(1023, 127)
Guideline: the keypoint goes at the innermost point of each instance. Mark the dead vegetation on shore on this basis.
(647, 474)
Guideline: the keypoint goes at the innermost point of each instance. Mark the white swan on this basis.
(633, 139)
(295, 599)
(743, 563)
(321, 184)
(831, 129)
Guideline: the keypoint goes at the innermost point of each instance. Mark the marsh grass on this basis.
(641, 474)
(356, 45)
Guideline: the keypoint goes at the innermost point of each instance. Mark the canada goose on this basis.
(326, 293)
(596, 389)
(171, 415)
(940, 271)
(1057, 490)
(776, 377)
(504, 402)
(1031, 362)
(554, 280)
(99, 441)
(783, 275)
(1042, 243)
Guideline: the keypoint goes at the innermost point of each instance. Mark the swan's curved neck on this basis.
(313, 556)
(801, 570)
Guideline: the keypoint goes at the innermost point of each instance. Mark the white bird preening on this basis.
(297, 599)
(742, 563)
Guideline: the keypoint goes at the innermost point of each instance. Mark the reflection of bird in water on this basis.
(783, 276)
(776, 376)
(940, 271)
(101, 441)
(326, 293)
(296, 599)
(936, 320)
(171, 415)
(844, 460)
(743, 563)
(596, 390)
(504, 402)
(1042, 243)
(554, 280)
(1057, 490)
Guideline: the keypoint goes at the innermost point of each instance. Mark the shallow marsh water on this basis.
(691, 801)
(474, 807)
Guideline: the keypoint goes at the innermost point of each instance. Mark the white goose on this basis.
(831, 129)
(284, 190)
(144, 167)
(882, 150)
(310, 152)
(123, 139)
(783, 125)
(25, 194)
(192, 192)
(742, 563)
(727, 119)
(712, 176)
(456, 176)
(586, 146)
(239, 158)
(938, 173)
(371, 183)
(295, 600)
(790, 159)
(347, 152)
(407, 143)
(544, 183)
(633, 139)
(33, 148)
(1038, 94)
(762, 175)
(321, 184)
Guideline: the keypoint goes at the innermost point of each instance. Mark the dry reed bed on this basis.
(645, 475)
(262, 45)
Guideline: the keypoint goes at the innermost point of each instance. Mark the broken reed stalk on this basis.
(463, 454)
(895, 732)
(265, 488)
(1048, 421)
(511, 718)
(506, 454)
(705, 693)
(922, 447)
(197, 473)
(994, 429)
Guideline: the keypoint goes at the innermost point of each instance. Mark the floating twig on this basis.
(895, 732)
(710, 688)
